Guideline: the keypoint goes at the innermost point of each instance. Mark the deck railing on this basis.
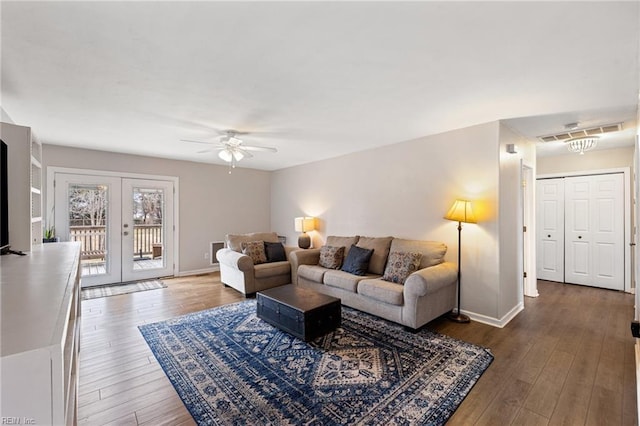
(93, 239)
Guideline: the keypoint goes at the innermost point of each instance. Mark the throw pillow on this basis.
(255, 250)
(401, 265)
(275, 252)
(331, 257)
(357, 260)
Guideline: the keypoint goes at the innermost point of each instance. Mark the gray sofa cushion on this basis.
(234, 241)
(343, 280)
(312, 272)
(432, 251)
(345, 242)
(382, 291)
(270, 269)
(380, 246)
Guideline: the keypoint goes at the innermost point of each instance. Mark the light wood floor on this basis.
(568, 358)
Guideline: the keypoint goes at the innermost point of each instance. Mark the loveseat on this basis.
(254, 262)
(404, 281)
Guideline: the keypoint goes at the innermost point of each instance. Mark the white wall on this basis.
(511, 290)
(4, 117)
(212, 202)
(591, 160)
(404, 190)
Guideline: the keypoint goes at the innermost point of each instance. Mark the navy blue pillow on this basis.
(357, 260)
(274, 252)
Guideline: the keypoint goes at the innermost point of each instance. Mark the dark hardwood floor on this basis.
(568, 358)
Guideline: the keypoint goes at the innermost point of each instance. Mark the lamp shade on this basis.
(304, 224)
(461, 212)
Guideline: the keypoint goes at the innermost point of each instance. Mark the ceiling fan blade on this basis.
(245, 153)
(192, 141)
(259, 148)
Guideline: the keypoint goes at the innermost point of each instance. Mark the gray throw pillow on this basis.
(275, 252)
(357, 260)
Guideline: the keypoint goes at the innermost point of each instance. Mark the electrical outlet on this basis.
(206, 255)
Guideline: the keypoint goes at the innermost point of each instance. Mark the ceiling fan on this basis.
(231, 148)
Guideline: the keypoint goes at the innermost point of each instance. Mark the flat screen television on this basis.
(4, 199)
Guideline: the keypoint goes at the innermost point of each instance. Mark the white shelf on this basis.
(40, 352)
(25, 190)
(36, 162)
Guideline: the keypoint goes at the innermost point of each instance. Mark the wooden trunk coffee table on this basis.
(299, 311)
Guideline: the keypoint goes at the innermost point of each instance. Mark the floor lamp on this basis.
(460, 212)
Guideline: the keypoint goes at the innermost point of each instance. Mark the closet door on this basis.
(550, 229)
(594, 231)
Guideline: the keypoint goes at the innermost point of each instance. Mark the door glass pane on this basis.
(148, 229)
(87, 224)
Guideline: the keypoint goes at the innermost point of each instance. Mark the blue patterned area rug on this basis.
(231, 368)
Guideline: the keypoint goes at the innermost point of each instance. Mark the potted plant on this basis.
(50, 235)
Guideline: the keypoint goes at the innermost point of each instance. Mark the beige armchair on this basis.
(238, 270)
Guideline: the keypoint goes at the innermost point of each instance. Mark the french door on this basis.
(125, 226)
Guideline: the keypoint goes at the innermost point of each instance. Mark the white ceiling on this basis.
(313, 79)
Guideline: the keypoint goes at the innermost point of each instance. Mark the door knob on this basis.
(549, 236)
(580, 236)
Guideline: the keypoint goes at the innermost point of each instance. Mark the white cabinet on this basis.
(25, 186)
(40, 335)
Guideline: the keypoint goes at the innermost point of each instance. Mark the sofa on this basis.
(404, 281)
(248, 268)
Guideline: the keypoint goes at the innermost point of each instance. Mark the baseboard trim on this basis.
(198, 271)
(495, 322)
(637, 347)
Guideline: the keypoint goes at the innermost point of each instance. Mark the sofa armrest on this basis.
(234, 259)
(288, 250)
(302, 257)
(431, 279)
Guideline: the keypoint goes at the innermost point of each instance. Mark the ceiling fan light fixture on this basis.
(237, 155)
(233, 140)
(580, 145)
(226, 155)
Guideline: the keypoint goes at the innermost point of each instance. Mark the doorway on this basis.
(125, 225)
(581, 230)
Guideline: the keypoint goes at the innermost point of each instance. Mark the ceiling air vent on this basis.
(608, 128)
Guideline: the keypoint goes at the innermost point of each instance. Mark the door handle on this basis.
(579, 236)
(549, 236)
(125, 233)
